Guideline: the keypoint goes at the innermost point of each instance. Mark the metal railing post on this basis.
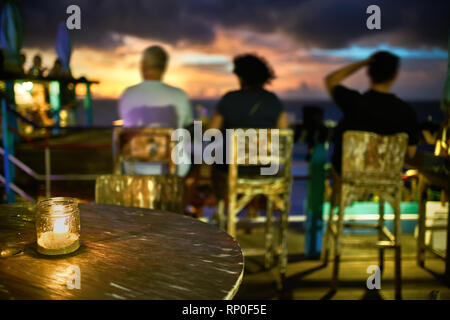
(12, 122)
(47, 166)
(315, 192)
(55, 102)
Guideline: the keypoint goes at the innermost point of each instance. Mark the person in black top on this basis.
(249, 107)
(377, 110)
(252, 106)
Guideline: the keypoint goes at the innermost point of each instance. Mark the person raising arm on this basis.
(377, 110)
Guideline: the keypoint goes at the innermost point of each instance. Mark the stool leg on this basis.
(268, 258)
(328, 233)
(338, 238)
(283, 236)
(421, 225)
(221, 213)
(380, 233)
(398, 252)
(232, 215)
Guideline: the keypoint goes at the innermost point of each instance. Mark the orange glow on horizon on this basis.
(204, 70)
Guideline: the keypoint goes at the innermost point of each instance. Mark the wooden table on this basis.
(126, 253)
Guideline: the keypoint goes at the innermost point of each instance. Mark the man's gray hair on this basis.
(155, 57)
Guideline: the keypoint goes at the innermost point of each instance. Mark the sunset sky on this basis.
(302, 40)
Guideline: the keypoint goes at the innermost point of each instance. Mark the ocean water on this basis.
(105, 110)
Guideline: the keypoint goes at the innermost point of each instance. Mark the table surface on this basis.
(126, 253)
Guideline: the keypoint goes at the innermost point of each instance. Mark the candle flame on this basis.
(60, 226)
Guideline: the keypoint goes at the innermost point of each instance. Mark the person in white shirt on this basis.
(153, 103)
(153, 93)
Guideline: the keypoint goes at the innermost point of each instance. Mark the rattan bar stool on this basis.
(160, 192)
(371, 164)
(273, 147)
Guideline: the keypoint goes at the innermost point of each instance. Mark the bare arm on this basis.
(216, 121)
(283, 122)
(336, 77)
(411, 152)
(429, 138)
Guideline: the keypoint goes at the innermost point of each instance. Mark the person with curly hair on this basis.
(251, 106)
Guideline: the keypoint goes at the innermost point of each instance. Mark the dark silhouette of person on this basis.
(36, 70)
(251, 106)
(377, 110)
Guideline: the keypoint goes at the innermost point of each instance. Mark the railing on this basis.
(47, 176)
(10, 133)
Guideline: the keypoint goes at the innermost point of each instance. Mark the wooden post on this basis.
(88, 105)
(47, 166)
(316, 188)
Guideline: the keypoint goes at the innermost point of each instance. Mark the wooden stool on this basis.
(371, 163)
(161, 192)
(273, 149)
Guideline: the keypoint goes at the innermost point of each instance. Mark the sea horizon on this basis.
(105, 109)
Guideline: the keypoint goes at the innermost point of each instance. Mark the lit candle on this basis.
(55, 235)
(60, 226)
(59, 238)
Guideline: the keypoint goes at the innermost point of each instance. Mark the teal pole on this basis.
(8, 146)
(88, 106)
(12, 121)
(55, 102)
(314, 202)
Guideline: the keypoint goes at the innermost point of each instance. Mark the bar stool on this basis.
(371, 163)
(143, 145)
(134, 150)
(272, 147)
(160, 192)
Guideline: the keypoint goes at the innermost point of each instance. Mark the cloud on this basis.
(357, 52)
(203, 62)
(323, 24)
(303, 40)
(209, 67)
(105, 22)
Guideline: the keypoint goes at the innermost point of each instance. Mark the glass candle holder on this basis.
(58, 226)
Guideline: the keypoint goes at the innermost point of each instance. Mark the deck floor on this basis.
(309, 280)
